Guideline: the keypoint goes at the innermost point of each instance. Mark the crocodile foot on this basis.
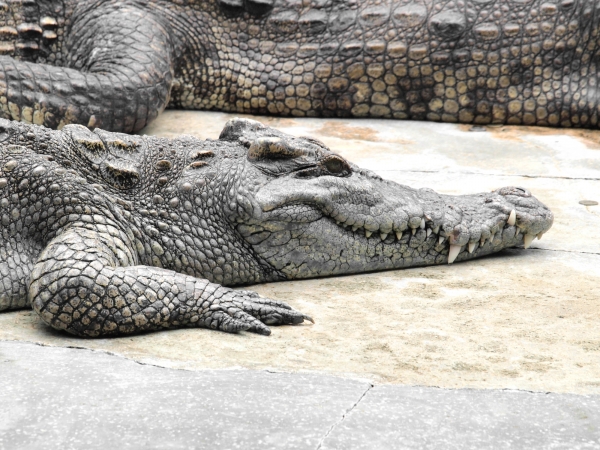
(247, 311)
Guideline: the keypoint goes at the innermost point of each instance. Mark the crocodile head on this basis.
(307, 212)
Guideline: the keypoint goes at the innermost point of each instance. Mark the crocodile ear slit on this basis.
(88, 142)
(121, 175)
(241, 130)
(272, 148)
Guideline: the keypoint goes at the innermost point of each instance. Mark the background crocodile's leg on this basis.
(83, 283)
(118, 76)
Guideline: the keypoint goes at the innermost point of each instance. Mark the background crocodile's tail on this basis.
(118, 69)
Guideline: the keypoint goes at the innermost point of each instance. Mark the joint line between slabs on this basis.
(348, 411)
(487, 174)
(565, 251)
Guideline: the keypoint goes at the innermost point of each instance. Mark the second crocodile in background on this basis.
(105, 233)
(116, 64)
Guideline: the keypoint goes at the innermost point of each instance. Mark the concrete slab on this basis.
(521, 319)
(64, 398)
(72, 398)
(394, 417)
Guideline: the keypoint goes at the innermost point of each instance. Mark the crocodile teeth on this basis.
(414, 230)
(518, 231)
(512, 219)
(492, 237)
(383, 236)
(472, 246)
(441, 240)
(481, 242)
(354, 228)
(436, 230)
(368, 233)
(539, 236)
(422, 224)
(528, 239)
(453, 253)
(398, 235)
(428, 231)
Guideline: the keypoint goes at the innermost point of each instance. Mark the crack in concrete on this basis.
(490, 174)
(348, 411)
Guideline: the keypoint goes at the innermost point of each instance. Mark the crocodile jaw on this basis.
(330, 226)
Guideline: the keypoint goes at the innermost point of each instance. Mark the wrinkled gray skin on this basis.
(116, 64)
(106, 234)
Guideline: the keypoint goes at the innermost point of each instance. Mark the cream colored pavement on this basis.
(522, 319)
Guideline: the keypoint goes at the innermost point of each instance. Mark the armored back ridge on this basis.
(117, 64)
(104, 233)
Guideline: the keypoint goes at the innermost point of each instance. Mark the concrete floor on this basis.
(62, 398)
(525, 320)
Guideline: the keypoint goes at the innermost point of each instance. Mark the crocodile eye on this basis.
(336, 165)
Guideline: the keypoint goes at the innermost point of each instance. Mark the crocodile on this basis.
(116, 64)
(108, 233)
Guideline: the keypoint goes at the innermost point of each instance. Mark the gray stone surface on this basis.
(59, 398)
(77, 398)
(395, 417)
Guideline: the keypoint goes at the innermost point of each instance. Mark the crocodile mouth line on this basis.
(397, 235)
(406, 233)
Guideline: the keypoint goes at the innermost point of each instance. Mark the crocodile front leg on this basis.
(118, 76)
(83, 285)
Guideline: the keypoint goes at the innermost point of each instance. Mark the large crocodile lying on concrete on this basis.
(107, 233)
(115, 64)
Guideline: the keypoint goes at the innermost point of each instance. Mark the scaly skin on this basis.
(105, 233)
(116, 64)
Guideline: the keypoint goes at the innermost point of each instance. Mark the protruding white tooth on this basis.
(492, 237)
(398, 235)
(453, 253)
(436, 230)
(518, 232)
(422, 224)
(383, 236)
(338, 222)
(512, 219)
(441, 240)
(472, 246)
(481, 242)
(539, 236)
(414, 230)
(428, 232)
(368, 233)
(528, 239)
(354, 228)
